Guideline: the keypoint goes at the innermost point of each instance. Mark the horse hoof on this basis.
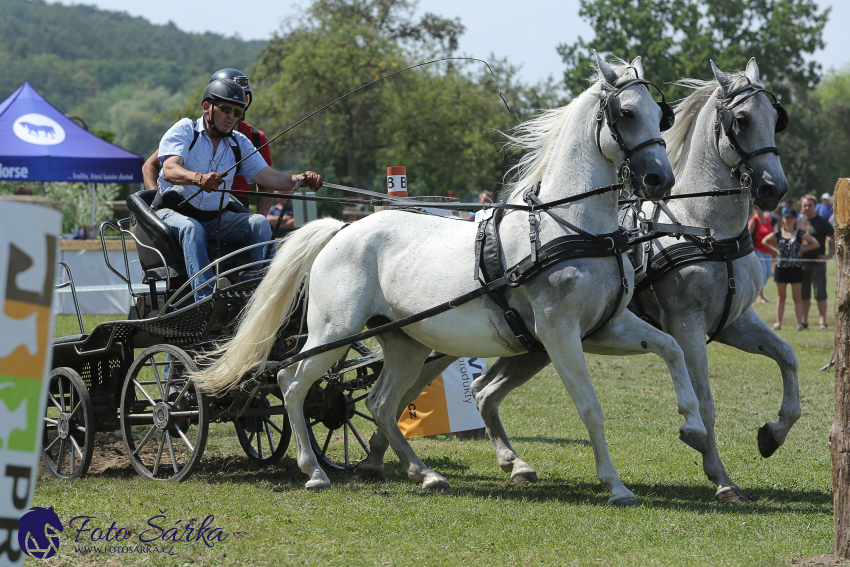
(767, 443)
(524, 477)
(436, 484)
(317, 485)
(694, 441)
(630, 502)
(731, 495)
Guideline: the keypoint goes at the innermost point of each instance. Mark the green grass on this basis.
(484, 520)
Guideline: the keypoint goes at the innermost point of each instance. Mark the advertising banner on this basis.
(446, 404)
(29, 235)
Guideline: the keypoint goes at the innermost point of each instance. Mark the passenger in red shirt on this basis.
(760, 226)
(150, 170)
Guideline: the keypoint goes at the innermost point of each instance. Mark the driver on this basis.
(192, 153)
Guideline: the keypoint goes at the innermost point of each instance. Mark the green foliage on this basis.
(676, 38)
(99, 64)
(76, 201)
(440, 121)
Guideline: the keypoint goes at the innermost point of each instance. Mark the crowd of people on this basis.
(793, 247)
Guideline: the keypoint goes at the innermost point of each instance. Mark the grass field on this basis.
(270, 519)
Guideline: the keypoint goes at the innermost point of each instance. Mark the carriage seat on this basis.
(152, 231)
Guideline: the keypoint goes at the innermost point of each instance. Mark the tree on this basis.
(441, 121)
(676, 38)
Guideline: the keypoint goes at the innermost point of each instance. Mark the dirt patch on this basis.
(828, 559)
(108, 458)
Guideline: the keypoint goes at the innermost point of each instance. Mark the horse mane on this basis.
(537, 137)
(687, 110)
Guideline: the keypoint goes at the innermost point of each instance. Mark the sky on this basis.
(493, 27)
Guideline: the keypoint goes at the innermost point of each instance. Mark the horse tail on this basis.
(268, 309)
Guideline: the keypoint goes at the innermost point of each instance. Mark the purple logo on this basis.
(38, 532)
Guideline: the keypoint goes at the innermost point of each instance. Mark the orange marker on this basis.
(397, 181)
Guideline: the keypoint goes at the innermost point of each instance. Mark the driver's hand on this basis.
(210, 181)
(314, 180)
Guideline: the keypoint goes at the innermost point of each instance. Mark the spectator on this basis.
(824, 208)
(483, 197)
(760, 226)
(814, 270)
(789, 269)
(287, 223)
(23, 191)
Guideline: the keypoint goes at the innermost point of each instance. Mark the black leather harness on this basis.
(694, 251)
(488, 263)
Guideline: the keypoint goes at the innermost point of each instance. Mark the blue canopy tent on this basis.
(39, 143)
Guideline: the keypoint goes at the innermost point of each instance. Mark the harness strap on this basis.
(727, 307)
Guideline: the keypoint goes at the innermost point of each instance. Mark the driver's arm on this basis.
(150, 171)
(174, 172)
(285, 182)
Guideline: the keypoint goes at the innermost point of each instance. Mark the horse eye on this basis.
(741, 120)
(626, 113)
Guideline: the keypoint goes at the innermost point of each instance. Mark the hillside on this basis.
(117, 72)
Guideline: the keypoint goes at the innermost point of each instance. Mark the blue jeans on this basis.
(244, 228)
(765, 259)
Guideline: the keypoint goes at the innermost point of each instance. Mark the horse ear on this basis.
(606, 72)
(638, 67)
(753, 71)
(722, 78)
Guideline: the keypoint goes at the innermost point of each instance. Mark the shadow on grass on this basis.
(552, 441)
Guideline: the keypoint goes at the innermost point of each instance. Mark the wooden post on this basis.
(839, 436)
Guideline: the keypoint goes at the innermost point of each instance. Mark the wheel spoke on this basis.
(259, 445)
(273, 424)
(168, 380)
(171, 451)
(71, 456)
(184, 438)
(182, 392)
(55, 403)
(358, 398)
(52, 443)
(59, 457)
(312, 423)
(76, 409)
(50, 422)
(156, 376)
(366, 417)
(269, 435)
(61, 394)
(345, 442)
(327, 442)
(162, 436)
(357, 435)
(71, 391)
(77, 447)
(144, 393)
(144, 440)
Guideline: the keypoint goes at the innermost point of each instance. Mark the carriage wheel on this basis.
(164, 420)
(339, 435)
(68, 438)
(264, 438)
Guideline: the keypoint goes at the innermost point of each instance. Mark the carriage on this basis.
(128, 375)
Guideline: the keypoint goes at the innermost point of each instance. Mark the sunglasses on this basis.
(228, 110)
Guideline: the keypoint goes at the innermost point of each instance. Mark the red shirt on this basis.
(240, 184)
(762, 230)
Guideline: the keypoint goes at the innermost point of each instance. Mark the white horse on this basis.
(688, 301)
(394, 264)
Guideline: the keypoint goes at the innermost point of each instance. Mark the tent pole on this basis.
(92, 204)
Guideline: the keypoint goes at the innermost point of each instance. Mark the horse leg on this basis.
(403, 357)
(568, 360)
(750, 334)
(295, 382)
(373, 465)
(690, 334)
(489, 390)
(628, 334)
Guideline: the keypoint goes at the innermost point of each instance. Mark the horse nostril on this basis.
(767, 191)
(651, 181)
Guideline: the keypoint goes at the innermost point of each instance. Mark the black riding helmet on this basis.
(237, 77)
(223, 90)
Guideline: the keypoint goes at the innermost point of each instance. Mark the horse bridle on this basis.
(609, 110)
(725, 122)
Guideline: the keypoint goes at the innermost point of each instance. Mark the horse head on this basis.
(747, 118)
(629, 126)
